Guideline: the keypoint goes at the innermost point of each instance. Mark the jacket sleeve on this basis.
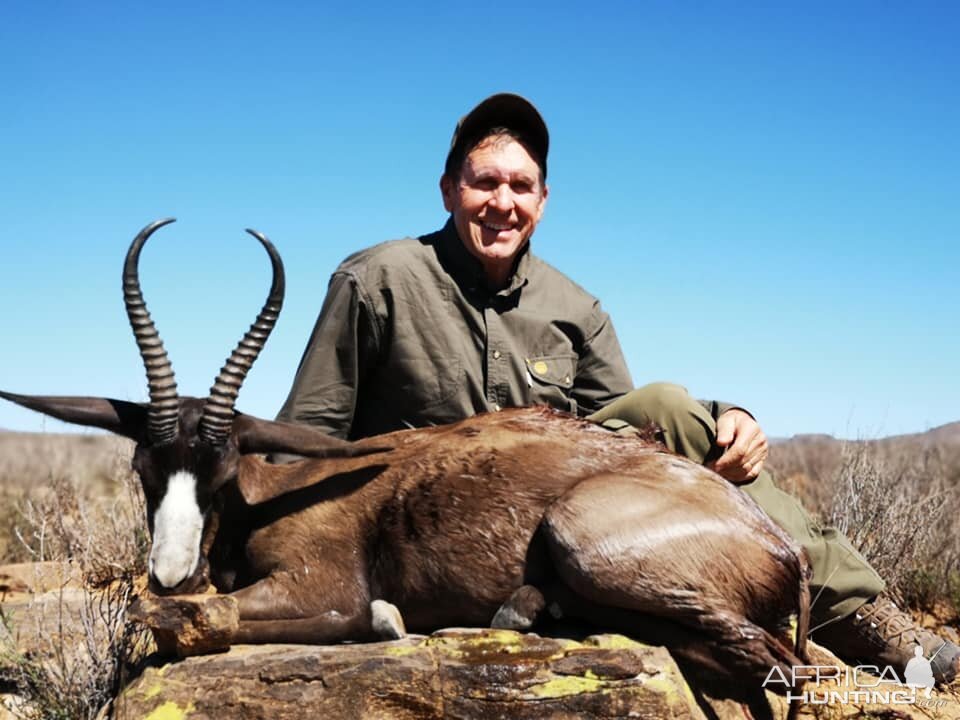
(341, 350)
(602, 374)
(716, 408)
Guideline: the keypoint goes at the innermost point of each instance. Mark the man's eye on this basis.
(485, 184)
(521, 186)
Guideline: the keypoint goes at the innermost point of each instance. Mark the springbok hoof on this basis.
(520, 610)
(386, 621)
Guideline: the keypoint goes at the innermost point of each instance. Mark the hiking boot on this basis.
(881, 634)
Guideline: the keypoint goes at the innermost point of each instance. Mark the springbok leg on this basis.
(269, 613)
(663, 559)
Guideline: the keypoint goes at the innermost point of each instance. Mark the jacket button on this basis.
(496, 354)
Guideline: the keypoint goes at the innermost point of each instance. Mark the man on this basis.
(465, 320)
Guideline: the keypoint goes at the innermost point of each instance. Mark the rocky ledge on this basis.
(454, 673)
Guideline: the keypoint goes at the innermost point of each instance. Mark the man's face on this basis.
(496, 203)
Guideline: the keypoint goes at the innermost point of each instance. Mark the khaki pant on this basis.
(842, 579)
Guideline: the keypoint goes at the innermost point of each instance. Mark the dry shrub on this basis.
(105, 534)
(897, 499)
(807, 467)
(84, 648)
(11, 551)
(890, 511)
(80, 644)
(87, 470)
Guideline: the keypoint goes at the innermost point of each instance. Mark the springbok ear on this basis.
(260, 481)
(118, 416)
(269, 436)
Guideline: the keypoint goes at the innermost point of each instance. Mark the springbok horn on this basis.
(162, 417)
(218, 412)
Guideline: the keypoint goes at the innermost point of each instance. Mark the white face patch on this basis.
(177, 528)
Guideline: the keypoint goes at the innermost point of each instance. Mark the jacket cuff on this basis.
(716, 408)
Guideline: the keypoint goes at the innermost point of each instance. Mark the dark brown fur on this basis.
(451, 521)
(448, 522)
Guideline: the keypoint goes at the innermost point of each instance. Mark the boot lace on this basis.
(884, 622)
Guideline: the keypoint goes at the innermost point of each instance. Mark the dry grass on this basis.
(27, 458)
(63, 480)
(68, 650)
(897, 500)
(83, 650)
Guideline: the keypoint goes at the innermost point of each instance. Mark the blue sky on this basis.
(766, 200)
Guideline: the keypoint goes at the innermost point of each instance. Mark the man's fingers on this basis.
(737, 452)
(725, 428)
(759, 450)
(734, 473)
(754, 457)
(745, 447)
(732, 457)
(742, 460)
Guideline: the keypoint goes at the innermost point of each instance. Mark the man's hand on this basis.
(745, 447)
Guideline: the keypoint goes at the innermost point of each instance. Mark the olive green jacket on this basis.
(410, 336)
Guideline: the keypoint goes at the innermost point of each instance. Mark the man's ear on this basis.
(543, 202)
(447, 189)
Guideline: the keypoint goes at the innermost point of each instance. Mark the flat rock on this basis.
(451, 674)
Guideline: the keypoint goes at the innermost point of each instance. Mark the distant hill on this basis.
(949, 433)
(945, 437)
(31, 459)
(805, 464)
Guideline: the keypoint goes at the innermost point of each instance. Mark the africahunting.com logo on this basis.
(862, 684)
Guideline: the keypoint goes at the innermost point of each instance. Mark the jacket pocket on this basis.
(551, 379)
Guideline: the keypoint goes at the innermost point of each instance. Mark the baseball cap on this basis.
(502, 110)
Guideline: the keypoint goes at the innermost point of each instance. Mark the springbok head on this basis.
(187, 449)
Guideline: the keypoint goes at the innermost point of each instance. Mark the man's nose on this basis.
(502, 197)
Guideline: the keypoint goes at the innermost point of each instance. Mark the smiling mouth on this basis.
(497, 228)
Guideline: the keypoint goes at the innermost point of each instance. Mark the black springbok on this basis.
(445, 522)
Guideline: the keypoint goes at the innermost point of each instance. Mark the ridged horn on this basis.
(218, 411)
(164, 405)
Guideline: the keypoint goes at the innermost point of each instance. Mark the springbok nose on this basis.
(177, 528)
(169, 569)
(166, 583)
